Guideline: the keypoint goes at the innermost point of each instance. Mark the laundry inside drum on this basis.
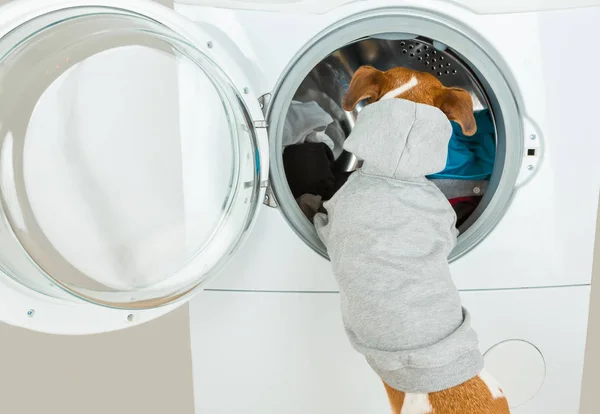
(315, 164)
(122, 182)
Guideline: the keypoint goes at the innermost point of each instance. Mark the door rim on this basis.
(24, 307)
(484, 59)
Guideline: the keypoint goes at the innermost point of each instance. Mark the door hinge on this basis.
(264, 102)
(261, 124)
(270, 198)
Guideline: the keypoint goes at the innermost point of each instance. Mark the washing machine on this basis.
(141, 168)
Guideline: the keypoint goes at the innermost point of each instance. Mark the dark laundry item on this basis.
(340, 179)
(464, 207)
(308, 168)
(454, 188)
(341, 175)
(310, 205)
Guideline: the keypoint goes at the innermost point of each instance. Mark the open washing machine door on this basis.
(133, 160)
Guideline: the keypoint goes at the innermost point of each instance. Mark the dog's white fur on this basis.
(492, 385)
(416, 404)
(401, 89)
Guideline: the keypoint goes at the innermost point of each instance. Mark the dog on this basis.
(365, 315)
(420, 87)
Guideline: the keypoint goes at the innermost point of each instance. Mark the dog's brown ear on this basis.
(366, 83)
(457, 104)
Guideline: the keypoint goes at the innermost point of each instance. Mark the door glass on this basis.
(128, 169)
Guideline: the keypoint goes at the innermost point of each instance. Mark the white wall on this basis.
(591, 374)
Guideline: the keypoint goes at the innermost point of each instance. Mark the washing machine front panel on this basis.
(520, 6)
(283, 6)
(298, 345)
(132, 159)
(295, 339)
(546, 237)
(550, 246)
(321, 6)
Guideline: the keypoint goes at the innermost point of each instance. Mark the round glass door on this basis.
(128, 167)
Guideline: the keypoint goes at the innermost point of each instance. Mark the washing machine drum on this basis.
(128, 169)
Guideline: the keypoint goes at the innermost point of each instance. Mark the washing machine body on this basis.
(525, 273)
(266, 334)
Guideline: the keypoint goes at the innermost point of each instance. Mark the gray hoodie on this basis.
(389, 232)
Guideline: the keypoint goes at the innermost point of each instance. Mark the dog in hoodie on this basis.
(389, 232)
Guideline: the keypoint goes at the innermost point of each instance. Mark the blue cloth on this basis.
(471, 158)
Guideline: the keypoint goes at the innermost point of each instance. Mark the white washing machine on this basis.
(141, 154)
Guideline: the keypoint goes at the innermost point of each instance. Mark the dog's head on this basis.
(374, 85)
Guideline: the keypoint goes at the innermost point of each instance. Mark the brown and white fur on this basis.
(479, 395)
(374, 85)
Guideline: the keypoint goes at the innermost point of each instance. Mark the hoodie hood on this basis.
(400, 139)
